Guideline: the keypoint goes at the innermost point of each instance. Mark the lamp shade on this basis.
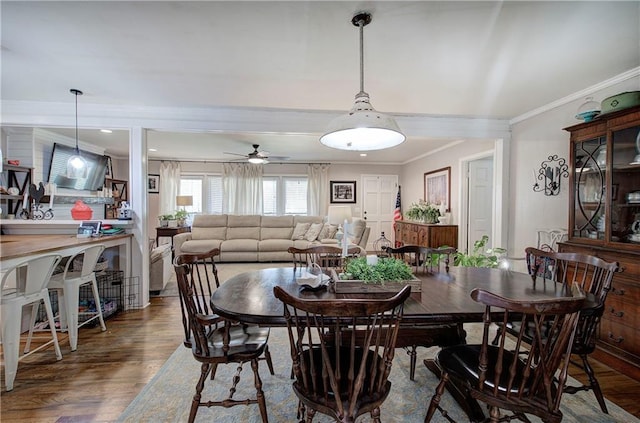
(362, 129)
(338, 214)
(184, 200)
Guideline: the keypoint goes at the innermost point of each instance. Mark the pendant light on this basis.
(363, 128)
(76, 164)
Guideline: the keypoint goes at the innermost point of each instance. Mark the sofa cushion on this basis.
(200, 245)
(210, 220)
(274, 245)
(247, 245)
(244, 233)
(277, 222)
(276, 233)
(328, 231)
(357, 229)
(201, 233)
(252, 220)
(313, 232)
(300, 230)
(307, 219)
(243, 227)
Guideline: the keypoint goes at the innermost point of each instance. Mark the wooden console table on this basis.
(170, 233)
(426, 235)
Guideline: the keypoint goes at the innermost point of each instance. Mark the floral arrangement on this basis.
(423, 212)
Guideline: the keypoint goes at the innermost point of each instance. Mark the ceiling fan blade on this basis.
(279, 158)
(236, 154)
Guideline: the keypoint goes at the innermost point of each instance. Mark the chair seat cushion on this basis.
(245, 341)
(462, 362)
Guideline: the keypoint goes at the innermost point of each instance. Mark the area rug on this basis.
(167, 397)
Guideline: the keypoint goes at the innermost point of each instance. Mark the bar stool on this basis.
(31, 278)
(67, 285)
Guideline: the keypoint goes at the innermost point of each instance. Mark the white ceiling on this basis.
(475, 59)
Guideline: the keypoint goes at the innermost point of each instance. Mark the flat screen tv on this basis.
(96, 171)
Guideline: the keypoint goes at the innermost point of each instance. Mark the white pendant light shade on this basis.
(362, 129)
(77, 167)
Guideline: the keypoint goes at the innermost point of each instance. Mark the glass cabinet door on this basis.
(625, 186)
(590, 164)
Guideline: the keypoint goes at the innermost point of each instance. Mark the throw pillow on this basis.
(313, 232)
(328, 231)
(300, 230)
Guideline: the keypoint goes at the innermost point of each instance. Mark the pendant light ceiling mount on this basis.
(76, 164)
(363, 128)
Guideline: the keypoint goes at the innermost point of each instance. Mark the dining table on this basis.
(444, 300)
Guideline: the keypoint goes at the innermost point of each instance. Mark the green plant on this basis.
(387, 269)
(423, 211)
(166, 217)
(480, 257)
(181, 214)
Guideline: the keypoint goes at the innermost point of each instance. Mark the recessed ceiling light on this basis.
(106, 131)
(153, 149)
(363, 154)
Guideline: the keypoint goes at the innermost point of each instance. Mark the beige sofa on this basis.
(254, 238)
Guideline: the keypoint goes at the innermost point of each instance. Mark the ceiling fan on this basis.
(259, 157)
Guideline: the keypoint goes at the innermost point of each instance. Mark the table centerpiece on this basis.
(385, 274)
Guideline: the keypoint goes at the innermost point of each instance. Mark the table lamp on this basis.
(184, 201)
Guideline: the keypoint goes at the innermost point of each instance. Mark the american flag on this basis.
(397, 212)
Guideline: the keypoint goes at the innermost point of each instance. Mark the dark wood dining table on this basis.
(444, 299)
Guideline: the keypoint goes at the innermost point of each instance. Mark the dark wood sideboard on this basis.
(426, 235)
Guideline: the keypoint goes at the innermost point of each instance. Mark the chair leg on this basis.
(267, 356)
(71, 295)
(32, 324)
(259, 393)
(96, 298)
(205, 368)
(10, 342)
(595, 386)
(52, 326)
(435, 399)
(412, 365)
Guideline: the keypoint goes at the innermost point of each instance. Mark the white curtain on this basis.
(169, 186)
(318, 189)
(242, 185)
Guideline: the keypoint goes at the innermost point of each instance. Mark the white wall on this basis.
(533, 140)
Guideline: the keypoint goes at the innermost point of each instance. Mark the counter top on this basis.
(17, 246)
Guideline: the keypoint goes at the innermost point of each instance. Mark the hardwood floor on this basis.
(109, 369)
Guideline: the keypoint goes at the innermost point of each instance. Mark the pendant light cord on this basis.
(361, 26)
(77, 149)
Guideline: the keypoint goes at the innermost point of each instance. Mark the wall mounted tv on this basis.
(97, 169)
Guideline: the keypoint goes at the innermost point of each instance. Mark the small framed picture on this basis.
(343, 191)
(437, 188)
(153, 184)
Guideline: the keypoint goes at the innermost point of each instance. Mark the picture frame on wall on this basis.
(343, 191)
(153, 184)
(437, 187)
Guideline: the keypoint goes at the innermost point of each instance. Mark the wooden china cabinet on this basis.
(604, 220)
(425, 234)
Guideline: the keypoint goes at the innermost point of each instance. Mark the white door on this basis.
(378, 203)
(480, 200)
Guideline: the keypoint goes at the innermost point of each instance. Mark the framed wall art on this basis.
(153, 184)
(437, 187)
(343, 191)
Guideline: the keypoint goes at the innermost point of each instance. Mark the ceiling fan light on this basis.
(256, 160)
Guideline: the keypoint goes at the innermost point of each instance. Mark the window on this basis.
(192, 186)
(284, 195)
(206, 191)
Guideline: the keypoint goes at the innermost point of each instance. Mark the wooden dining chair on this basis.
(342, 352)
(594, 276)
(325, 256)
(512, 375)
(212, 339)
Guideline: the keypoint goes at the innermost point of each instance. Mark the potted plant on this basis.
(181, 217)
(164, 220)
(387, 275)
(423, 212)
(480, 257)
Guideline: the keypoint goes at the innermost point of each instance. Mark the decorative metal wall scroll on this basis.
(550, 174)
(37, 211)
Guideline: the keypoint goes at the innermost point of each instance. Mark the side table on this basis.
(170, 233)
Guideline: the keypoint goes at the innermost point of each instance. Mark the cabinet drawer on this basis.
(618, 311)
(620, 336)
(624, 291)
